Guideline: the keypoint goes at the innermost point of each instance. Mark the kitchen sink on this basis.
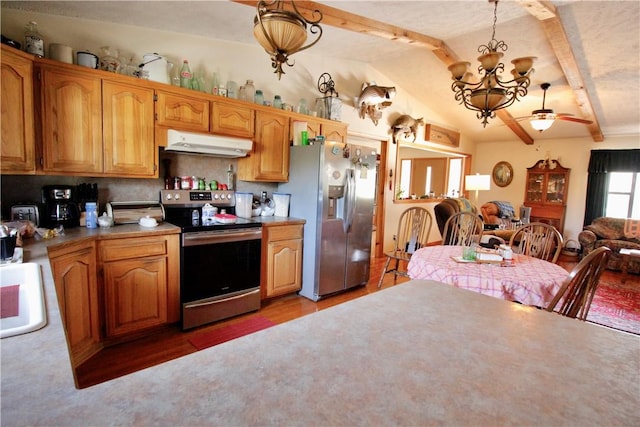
(21, 299)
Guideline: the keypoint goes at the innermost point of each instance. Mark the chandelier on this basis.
(491, 93)
(283, 32)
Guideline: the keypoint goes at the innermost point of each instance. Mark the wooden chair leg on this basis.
(384, 271)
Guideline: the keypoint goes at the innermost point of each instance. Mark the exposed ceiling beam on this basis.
(557, 36)
(360, 24)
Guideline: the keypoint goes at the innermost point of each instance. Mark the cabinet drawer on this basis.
(111, 250)
(284, 232)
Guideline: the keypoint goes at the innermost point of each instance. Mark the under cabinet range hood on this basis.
(213, 145)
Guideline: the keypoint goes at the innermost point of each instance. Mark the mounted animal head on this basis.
(373, 99)
(405, 127)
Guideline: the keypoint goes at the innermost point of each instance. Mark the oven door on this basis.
(220, 275)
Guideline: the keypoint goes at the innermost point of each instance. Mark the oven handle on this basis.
(244, 295)
(205, 238)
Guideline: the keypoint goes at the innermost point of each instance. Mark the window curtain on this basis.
(600, 164)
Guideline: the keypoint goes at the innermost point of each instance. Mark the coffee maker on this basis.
(60, 206)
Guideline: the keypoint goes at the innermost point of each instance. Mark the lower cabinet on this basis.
(112, 288)
(282, 259)
(75, 277)
(141, 281)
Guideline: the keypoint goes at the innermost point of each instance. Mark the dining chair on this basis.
(576, 293)
(537, 240)
(463, 229)
(413, 231)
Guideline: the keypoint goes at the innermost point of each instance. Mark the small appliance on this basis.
(60, 206)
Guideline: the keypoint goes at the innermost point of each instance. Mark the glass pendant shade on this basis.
(542, 120)
(524, 64)
(487, 99)
(458, 69)
(287, 32)
(490, 60)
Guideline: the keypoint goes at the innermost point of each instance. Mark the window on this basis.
(427, 185)
(455, 177)
(405, 179)
(623, 195)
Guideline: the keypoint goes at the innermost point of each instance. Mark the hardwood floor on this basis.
(171, 342)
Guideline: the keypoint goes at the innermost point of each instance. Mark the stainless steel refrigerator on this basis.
(332, 186)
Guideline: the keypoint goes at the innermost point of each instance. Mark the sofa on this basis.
(497, 212)
(612, 233)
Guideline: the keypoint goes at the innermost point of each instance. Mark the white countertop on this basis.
(418, 353)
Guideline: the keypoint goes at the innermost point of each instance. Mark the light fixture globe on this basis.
(281, 32)
(542, 120)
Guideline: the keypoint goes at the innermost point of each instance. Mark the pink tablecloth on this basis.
(530, 281)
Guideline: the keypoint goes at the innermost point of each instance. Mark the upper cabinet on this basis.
(233, 120)
(18, 131)
(546, 192)
(180, 111)
(71, 105)
(269, 159)
(128, 130)
(334, 131)
(96, 126)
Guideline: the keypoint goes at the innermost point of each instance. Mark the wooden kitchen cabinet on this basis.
(71, 122)
(546, 193)
(128, 130)
(75, 276)
(282, 259)
(96, 126)
(182, 112)
(17, 146)
(141, 283)
(232, 120)
(269, 159)
(334, 131)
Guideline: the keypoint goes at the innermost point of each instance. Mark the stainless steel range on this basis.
(220, 261)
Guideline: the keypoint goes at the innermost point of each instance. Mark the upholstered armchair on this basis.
(450, 206)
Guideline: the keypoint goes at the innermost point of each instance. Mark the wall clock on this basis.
(502, 174)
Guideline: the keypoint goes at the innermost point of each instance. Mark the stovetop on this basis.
(180, 204)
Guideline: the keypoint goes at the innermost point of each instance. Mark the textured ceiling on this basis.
(604, 37)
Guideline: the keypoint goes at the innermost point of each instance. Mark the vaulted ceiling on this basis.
(588, 50)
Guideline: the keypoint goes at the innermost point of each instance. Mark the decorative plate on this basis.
(502, 174)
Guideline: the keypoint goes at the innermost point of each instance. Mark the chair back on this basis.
(538, 240)
(414, 227)
(463, 229)
(576, 293)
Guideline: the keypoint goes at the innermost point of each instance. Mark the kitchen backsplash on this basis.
(17, 189)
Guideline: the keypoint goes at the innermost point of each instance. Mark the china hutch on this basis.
(546, 192)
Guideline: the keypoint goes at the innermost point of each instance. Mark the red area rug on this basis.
(617, 304)
(230, 332)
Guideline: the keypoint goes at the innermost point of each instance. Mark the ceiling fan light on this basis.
(542, 120)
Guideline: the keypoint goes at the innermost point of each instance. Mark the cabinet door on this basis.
(335, 132)
(284, 267)
(182, 112)
(71, 122)
(232, 120)
(269, 160)
(128, 130)
(135, 294)
(75, 277)
(17, 146)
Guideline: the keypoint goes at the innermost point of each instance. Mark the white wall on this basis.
(571, 153)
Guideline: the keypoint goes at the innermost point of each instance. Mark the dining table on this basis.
(525, 279)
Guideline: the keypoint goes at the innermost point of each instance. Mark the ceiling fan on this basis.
(542, 119)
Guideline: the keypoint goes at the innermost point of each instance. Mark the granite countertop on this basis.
(472, 360)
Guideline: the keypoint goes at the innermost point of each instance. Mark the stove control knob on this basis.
(168, 196)
(229, 196)
(177, 196)
(216, 196)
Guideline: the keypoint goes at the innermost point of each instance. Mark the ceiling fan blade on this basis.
(574, 119)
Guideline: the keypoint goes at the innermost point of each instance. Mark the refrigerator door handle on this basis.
(350, 200)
